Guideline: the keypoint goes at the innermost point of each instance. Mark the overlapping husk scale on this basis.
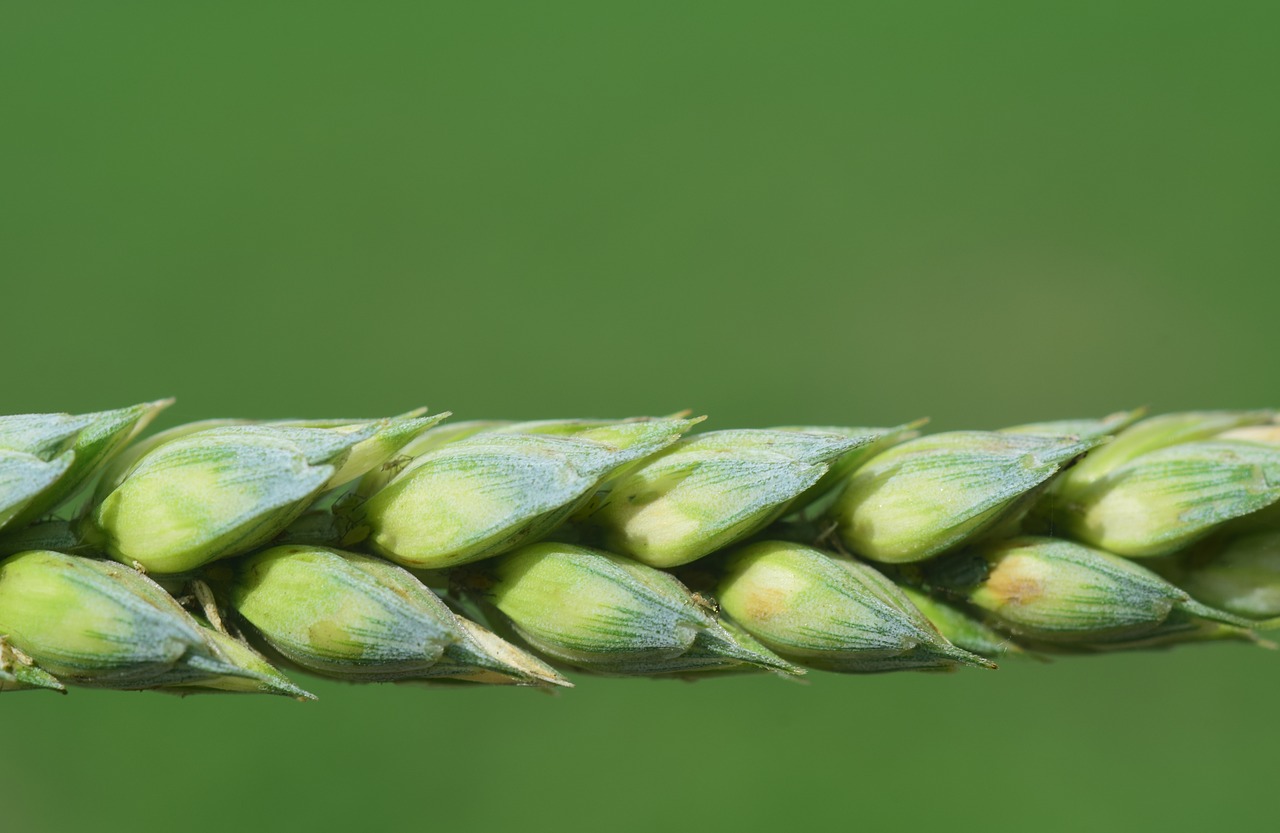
(224, 555)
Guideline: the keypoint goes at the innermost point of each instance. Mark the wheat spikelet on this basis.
(211, 556)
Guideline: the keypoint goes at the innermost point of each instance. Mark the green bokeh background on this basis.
(771, 213)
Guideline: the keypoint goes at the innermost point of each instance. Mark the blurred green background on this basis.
(772, 213)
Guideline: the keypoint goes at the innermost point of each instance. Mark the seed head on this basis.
(931, 494)
(97, 623)
(46, 458)
(486, 494)
(712, 490)
(220, 491)
(830, 612)
(1152, 434)
(356, 617)
(1163, 500)
(611, 615)
(1062, 592)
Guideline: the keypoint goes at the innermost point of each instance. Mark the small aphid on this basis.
(707, 603)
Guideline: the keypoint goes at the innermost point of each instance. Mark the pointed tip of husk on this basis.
(946, 650)
(29, 677)
(1213, 614)
(494, 654)
(1267, 624)
(734, 643)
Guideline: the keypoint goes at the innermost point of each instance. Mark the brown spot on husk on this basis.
(766, 602)
(1014, 582)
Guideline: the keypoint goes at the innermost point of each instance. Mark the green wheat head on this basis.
(213, 555)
